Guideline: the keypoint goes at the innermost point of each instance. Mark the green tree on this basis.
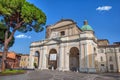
(2, 36)
(19, 15)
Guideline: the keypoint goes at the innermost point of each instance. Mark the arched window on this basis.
(62, 33)
(36, 59)
(52, 59)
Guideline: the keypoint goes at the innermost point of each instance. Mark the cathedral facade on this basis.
(70, 48)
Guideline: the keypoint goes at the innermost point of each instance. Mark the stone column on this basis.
(90, 57)
(118, 62)
(83, 58)
(93, 55)
(66, 59)
(58, 60)
(40, 59)
(31, 60)
(93, 59)
(86, 58)
(61, 62)
(44, 58)
(47, 56)
(79, 57)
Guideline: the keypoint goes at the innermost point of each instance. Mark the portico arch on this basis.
(36, 59)
(52, 59)
(74, 59)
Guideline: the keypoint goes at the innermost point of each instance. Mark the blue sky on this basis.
(102, 15)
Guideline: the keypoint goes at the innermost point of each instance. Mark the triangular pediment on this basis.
(52, 41)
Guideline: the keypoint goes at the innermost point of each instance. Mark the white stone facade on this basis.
(74, 50)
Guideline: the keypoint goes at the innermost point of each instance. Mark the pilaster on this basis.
(61, 62)
(31, 60)
(44, 62)
(66, 59)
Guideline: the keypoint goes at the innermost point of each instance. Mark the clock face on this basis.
(54, 34)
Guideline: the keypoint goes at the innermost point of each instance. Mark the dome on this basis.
(86, 27)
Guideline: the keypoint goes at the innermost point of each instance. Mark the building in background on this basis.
(108, 57)
(12, 60)
(68, 47)
(24, 61)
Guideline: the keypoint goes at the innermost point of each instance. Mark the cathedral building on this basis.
(68, 47)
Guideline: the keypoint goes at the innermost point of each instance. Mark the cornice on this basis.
(67, 41)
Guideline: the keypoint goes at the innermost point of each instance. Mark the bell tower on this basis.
(88, 47)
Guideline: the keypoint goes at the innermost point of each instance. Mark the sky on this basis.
(102, 15)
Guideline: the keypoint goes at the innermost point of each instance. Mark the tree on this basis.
(19, 15)
(2, 36)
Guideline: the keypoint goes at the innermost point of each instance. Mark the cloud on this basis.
(104, 8)
(22, 36)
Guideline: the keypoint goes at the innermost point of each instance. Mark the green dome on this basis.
(86, 27)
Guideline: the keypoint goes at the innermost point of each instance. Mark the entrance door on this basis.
(52, 59)
(74, 59)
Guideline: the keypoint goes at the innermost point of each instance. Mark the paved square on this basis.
(57, 75)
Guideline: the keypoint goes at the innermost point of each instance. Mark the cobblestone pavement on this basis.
(56, 75)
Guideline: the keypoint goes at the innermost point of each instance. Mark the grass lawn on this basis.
(12, 72)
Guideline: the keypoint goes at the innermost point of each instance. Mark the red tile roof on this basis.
(11, 55)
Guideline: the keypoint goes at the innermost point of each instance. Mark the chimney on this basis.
(85, 22)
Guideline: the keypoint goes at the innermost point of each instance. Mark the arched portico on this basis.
(74, 59)
(52, 59)
(36, 59)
